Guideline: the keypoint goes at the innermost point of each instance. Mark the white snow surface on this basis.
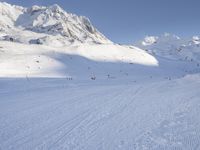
(96, 97)
(61, 114)
(65, 86)
(77, 61)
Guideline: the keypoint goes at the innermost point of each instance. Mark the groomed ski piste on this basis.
(96, 95)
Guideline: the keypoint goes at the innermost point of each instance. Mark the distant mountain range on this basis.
(172, 47)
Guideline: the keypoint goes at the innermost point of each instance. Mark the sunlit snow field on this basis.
(128, 105)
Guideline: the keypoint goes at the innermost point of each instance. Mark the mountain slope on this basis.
(49, 42)
(172, 47)
(44, 22)
(76, 61)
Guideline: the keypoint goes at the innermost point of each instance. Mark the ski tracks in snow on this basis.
(134, 116)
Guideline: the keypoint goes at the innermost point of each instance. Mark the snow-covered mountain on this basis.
(172, 47)
(41, 25)
(48, 42)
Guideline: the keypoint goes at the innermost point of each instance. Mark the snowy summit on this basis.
(44, 22)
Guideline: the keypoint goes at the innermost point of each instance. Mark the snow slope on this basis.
(84, 61)
(172, 47)
(62, 114)
(137, 101)
(63, 85)
(20, 60)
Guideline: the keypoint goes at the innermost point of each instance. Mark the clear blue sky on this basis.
(125, 21)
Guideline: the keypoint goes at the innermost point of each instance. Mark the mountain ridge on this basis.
(172, 46)
(50, 20)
